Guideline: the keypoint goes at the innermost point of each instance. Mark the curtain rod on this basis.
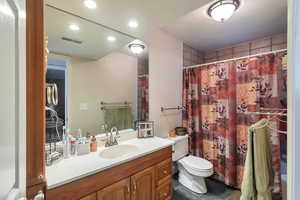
(232, 59)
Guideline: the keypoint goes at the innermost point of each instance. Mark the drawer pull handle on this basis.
(128, 189)
(134, 186)
(128, 192)
(165, 194)
(165, 172)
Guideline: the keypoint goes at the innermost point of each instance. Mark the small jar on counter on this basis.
(93, 144)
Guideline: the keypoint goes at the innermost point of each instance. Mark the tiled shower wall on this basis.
(261, 45)
(191, 56)
(143, 66)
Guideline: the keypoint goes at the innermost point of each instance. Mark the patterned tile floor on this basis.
(216, 191)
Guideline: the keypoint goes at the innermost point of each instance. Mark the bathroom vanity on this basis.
(144, 173)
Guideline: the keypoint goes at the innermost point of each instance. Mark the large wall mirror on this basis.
(101, 76)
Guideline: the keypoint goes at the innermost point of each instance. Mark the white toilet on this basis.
(192, 170)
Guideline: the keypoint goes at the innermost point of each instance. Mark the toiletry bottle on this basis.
(88, 136)
(79, 133)
(66, 143)
(73, 147)
(93, 144)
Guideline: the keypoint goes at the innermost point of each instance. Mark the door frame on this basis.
(293, 181)
(35, 96)
(18, 9)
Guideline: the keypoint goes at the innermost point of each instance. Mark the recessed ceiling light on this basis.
(74, 27)
(133, 24)
(136, 48)
(90, 4)
(223, 9)
(111, 38)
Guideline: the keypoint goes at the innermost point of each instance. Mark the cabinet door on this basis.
(90, 197)
(116, 191)
(143, 185)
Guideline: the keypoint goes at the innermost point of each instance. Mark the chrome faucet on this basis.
(111, 139)
(53, 157)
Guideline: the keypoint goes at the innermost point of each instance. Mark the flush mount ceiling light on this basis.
(136, 48)
(133, 24)
(111, 38)
(74, 27)
(90, 4)
(223, 9)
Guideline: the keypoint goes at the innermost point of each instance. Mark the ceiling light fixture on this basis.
(133, 24)
(136, 48)
(74, 27)
(223, 9)
(90, 4)
(111, 38)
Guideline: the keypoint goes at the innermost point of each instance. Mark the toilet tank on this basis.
(180, 147)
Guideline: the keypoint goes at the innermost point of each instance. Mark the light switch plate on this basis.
(83, 106)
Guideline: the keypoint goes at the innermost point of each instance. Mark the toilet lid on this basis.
(197, 163)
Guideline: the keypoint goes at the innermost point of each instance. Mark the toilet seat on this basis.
(197, 166)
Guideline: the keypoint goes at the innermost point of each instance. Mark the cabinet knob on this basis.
(41, 177)
(40, 196)
(165, 194)
(165, 172)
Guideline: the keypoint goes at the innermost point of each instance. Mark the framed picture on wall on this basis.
(145, 129)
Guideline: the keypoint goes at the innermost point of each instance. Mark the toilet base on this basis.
(194, 183)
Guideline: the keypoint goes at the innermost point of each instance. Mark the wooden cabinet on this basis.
(143, 185)
(92, 196)
(116, 191)
(144, 178)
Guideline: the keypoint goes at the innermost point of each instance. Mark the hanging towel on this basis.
(120, 117)
(235, 195)
(258, 174)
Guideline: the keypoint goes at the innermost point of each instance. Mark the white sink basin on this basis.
(118, 151)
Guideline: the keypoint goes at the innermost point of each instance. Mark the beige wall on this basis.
(113, 78)
(165, 80)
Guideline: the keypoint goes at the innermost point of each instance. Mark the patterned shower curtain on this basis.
(216, 98)
(143, 98)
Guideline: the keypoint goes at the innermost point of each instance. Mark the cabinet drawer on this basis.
(163, 170)
(164, 191)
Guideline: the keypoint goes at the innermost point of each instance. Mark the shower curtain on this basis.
(143, 104)
(216, 98)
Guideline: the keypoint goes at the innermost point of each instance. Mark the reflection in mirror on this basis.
(101, 77)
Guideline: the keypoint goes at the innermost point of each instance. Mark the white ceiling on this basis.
(94, 37)
(254, 19)
(186, 19)
(151, 14)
